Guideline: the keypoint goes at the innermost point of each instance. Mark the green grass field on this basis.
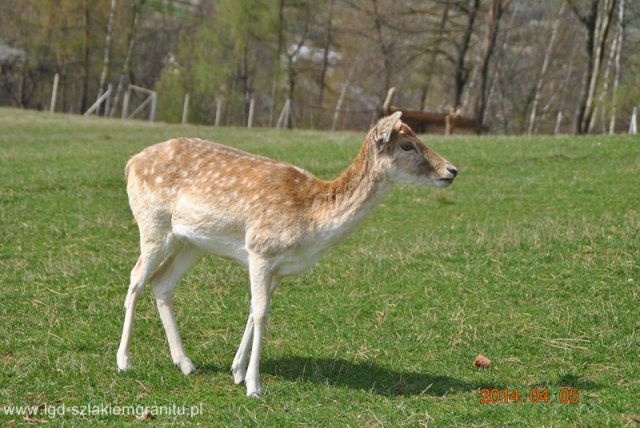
(531, 258)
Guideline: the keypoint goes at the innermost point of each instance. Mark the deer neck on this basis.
(348, 199)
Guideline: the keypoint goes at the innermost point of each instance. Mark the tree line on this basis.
(516, 66)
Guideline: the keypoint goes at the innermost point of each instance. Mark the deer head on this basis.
(406, 159)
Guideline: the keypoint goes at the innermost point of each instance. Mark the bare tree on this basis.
(107, 52)
(605, 89)
(278, 54)
(326, 47)
(293, 51)
(86, 57)
(126, 67)
(386, 47)
(426, 88)
(589, 21)
(602, 29)
(616, 79)
(495, 14)
(543, 70)
(596, 21)
(460, 74)
(563, 91)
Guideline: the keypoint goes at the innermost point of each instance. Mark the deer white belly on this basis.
(225, 245)
(297, 261)
(233, 246)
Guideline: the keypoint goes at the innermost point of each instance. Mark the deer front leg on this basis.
(239, 366)
(260, 277)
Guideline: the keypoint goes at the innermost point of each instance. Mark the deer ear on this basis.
(384, 128)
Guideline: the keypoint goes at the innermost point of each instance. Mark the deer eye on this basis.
(406, 145)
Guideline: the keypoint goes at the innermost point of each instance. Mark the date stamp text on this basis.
(565, 395)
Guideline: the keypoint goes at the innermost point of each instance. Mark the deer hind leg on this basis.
(151, 257)
(163, 284)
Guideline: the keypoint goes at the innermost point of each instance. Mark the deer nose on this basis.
(453, 170)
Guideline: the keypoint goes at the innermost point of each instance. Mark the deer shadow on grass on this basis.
(364, 376)
(367, 376)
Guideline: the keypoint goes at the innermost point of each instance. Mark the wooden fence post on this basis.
(125, 103)
(185, 110)
(284, 116)
(252, 105)
(108, 100)
(218, 112)
(54, 93)
(154, 102)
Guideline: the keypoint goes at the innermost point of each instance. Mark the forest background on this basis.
(520, 66)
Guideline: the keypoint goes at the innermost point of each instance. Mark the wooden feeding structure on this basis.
(424, 122)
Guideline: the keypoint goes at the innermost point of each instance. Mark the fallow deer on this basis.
(190, 197)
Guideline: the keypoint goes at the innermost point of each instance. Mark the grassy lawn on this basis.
(531, 258)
